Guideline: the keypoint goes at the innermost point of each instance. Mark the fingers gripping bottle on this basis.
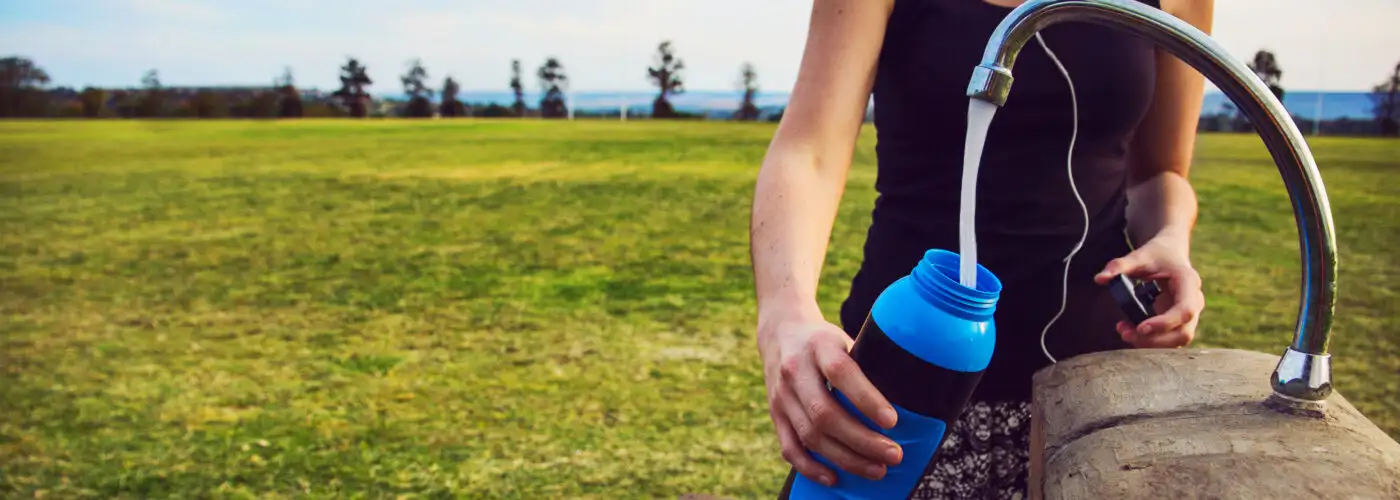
(924, 346)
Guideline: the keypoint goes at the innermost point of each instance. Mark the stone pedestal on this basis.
(1192, 423)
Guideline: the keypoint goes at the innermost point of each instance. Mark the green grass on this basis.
(486, 309)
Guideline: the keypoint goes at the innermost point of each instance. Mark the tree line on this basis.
(24, 94)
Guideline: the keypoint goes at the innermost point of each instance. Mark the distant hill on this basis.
(1335, 105)
(1355, 105)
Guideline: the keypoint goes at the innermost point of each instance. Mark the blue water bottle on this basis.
(924, 346)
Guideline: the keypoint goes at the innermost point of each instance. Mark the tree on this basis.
(65, 102)
(553, 81)
(262, 104)
(126, 103)
(1386, 100)
(748, 82)
(518, 88)
(150, 80)
(93, 100)
(450, 105)
(492, 110)
(777, 117)
(153, 97)
(666, 75)
(415, 85)
(285, 80)
(21, 73)
(291, 99)
(21, 87)
(353, 80)
(1266, 66)
(207, 104)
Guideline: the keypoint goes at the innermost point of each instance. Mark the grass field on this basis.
(490, 309)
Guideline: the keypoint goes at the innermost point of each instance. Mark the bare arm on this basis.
(804, 173)
(1161, 203)
(1161, 199)
(798, 190)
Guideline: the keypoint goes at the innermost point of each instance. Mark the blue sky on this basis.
(605, 44)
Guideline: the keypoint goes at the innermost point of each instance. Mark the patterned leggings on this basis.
(985, 456)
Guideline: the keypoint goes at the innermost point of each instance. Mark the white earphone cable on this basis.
(1069, 168)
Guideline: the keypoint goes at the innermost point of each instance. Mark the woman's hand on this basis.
(799, 357)
(1163, 258)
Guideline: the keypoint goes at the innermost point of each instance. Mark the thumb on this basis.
(1133, 264)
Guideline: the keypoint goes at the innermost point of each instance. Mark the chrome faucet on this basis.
(1303, 377)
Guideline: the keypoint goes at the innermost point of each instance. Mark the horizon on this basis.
(1305, 104)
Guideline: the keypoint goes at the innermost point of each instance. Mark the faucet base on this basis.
(1294, 406)
(1302, 376)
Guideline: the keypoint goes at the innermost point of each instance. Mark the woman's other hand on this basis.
(799, 357)
(1165, 259)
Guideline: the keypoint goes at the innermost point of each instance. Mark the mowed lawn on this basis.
(491, 308)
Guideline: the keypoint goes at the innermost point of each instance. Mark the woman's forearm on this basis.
(1161, 203)
(804, 173)
(795, 203)
(1162, 206)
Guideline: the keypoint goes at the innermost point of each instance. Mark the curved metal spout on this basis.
(1303, 374)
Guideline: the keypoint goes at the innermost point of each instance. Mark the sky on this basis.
(1339, 45)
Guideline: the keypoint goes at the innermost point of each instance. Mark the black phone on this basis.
(1134, 297)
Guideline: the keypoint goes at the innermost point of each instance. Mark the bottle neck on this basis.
(936, 278)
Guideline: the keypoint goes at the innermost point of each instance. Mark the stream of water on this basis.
(979, 119)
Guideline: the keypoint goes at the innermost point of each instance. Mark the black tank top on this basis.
(1027, 217)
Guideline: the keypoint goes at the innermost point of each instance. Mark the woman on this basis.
(1136, 123)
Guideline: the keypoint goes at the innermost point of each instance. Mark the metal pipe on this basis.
(1303, 373)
